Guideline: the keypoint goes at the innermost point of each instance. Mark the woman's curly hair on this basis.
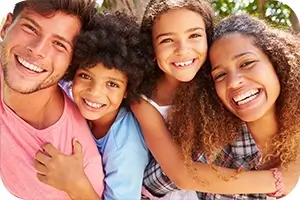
(214, 125)
(114, 40)
(154, 9)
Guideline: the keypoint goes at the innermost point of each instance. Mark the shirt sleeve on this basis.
(66, 86)
(124, 173)
(94, 171)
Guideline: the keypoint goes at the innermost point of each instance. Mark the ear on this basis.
(6, 25)
(125, 95)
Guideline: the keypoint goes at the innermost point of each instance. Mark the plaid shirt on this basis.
(243, 153)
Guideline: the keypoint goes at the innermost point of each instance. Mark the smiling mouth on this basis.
(246, 97)
(93, 105)
(31, 67)
(184, 64)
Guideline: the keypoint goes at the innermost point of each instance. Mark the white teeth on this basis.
(246, 100)
(29, 65)
(183, 64)
(93, 105)
(246, 97)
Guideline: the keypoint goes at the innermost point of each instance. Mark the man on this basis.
(36, 50)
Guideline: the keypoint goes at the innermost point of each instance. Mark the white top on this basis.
(161, 109)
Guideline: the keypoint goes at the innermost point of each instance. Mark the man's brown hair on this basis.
(83, 9)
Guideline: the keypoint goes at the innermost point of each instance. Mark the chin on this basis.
(250, 117)
(185, 79)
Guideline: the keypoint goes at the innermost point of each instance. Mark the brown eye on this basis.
(168, 40)
(219, 76)
(84, 76)
(112, 84)
(247, 64)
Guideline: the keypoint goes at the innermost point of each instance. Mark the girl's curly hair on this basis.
(114, 40)
(156, 8)
(209, 126)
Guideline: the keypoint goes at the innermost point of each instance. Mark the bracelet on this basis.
(279, 183)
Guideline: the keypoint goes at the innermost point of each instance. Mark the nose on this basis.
(97, 89)
(39, 47)
(234, 80)
(182, 47)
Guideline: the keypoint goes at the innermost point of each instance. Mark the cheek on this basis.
(78, 87)
(116, 97)
(274, 87)
(164, 51)
(221, 92)
(60, 60)
(201, 47)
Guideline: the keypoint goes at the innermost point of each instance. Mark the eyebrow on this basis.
(109, 77)
(55, 35)
(115, 79)
(32, 21)
(187, 31)
(234, 58)
(63, 39)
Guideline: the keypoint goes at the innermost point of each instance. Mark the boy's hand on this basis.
(58, 170)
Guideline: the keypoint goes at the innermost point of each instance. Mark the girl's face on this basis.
(244, 77)
(180, 45)
(99, 91)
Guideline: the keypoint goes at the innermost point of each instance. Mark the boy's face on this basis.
(99, 91)
(36, 51)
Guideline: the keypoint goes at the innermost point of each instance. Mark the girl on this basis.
(255, 70)
(179, 51)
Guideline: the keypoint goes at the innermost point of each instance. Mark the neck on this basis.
(101, 126)
(264, 128)
(40, 109)
(166, 89)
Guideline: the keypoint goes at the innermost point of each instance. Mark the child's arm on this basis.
(165, 151)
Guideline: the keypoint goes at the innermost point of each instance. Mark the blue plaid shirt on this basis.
(243, 153)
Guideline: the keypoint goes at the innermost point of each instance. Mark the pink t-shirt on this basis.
(19, 143)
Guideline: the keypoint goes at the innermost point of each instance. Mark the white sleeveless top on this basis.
(161, 109)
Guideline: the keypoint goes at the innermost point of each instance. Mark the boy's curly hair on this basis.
(114, 40)
(215, 126)
(156, 8)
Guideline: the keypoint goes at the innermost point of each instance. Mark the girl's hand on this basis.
(290, 177)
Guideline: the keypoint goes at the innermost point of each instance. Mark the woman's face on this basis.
(180, 44)
(244, 77)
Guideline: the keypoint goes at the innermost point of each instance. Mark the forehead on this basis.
(101, 72)
(234, 40)
(56, 23)
(178, 18)
(233, 44)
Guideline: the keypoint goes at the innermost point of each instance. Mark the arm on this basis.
(124, 173)
(158, 137)
(55, 170)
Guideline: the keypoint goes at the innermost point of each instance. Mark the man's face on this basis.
(36, 50)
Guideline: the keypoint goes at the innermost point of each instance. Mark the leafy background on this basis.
(275, 12)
